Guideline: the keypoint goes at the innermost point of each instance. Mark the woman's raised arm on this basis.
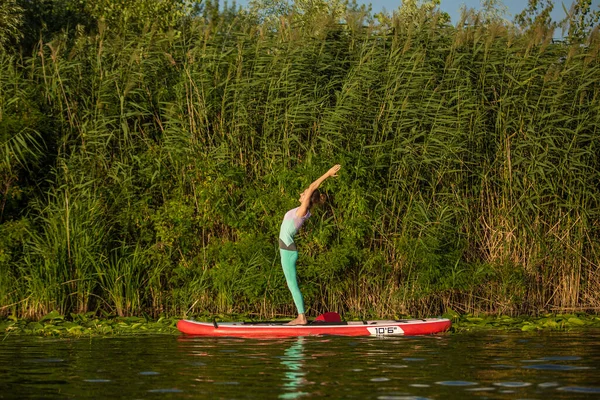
(306, 195)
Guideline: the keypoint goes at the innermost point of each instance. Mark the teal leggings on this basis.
(288, 262)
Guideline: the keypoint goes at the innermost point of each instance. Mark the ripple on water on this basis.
(502, 366)
(580, 389)
(545, 385)
(198, 364)
(292, 395)
(481, 389)
(180, 369)
(456, 383)
(554, 367)
(512, 384)
(561, 358)
(167, 390)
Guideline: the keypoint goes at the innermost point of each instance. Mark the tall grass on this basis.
(469, 182)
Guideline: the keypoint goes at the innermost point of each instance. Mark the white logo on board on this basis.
(385, 330)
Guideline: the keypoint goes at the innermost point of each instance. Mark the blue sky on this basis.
(452, 7)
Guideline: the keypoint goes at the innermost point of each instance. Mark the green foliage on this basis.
(147, 168)
(581, 20)
(311, 17)
(11, 19)
(22, 143)
(137, 14)
(414, 14)
(536, 16)
(87, 325)
(493, 11)
(12, 235)
(563, 322)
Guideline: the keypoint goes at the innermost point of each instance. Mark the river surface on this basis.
(482, 365)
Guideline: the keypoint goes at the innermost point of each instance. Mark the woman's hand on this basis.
(334, 170)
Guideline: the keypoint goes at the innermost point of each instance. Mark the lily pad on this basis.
(53, 315)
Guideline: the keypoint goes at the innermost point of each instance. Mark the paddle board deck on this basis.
(406, 327)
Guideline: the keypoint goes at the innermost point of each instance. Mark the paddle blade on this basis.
(329, 317)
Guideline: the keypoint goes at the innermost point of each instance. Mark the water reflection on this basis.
(484, 365)
(294, 380)
(577, 389)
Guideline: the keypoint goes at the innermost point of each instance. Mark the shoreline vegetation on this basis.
(149, 149)
(87, 325)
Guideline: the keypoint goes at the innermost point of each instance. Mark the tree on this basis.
(306, 14)
(162, 14)
(269, 11)
(536, 15)
(580, 20)
(493, 11)
(414, 13)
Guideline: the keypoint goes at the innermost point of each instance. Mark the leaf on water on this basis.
(551, 324)
(75, 330)
(53, 315)
(80, 317)
(575, 321)
(53, 330)
(133, 319)
(35, 325)
(4, 326)
(527, 328)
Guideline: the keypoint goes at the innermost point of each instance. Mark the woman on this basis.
(292, 221)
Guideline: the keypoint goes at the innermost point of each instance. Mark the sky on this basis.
(453, 7)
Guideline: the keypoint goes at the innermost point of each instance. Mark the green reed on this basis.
(158, 166)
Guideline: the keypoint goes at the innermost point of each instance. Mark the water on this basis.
(482, 365)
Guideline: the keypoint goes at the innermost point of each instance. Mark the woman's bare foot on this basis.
(300, 320)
